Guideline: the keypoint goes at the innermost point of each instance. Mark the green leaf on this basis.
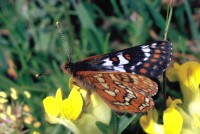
(87, 22)
(125, 121)
(105, 129)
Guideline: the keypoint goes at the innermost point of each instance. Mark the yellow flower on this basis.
(3, 97)
(10, 114)
(29, 119)
(52, 105)
(96, 111)
(67, 112)
(149, 123)
(3, 94)
(188, 75)
(72, 107)
(64, 111)
(13, 94)
(69, 108)
(172, 120)
(97, 107)
(27, 94)
(3, 100)
(37, 124)
(35, 132)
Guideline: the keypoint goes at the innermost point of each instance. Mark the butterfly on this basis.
(122, 79)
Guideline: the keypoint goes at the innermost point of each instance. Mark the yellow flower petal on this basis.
(35, 132)
(1, 106)
(8, 111)
(52, 106)
(13, 90)
(3, 94)
(87, 125)
(173, 121)
(59, 95)
(37, 124)
(14, 96)
(72, 107)
(3, 116)
(27, 94)
(188, 131)
(3, 100)
(177, 66)
(189, 75)
(67, 110)
(13, 93)
(99, 108)
(196, 119)
(26, 108)
(28, 119)
(172, 73)
(148, 123)
(173, 103)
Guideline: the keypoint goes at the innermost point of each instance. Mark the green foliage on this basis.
(28, 37)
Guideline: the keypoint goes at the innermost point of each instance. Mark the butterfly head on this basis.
(67, 67)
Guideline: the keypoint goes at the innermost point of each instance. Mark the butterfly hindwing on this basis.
(123, 92)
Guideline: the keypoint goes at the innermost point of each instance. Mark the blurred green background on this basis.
(30, 43)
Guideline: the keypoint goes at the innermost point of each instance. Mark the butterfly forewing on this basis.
(148, 59)
(123, 92)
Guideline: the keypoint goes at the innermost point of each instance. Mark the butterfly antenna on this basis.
(48, 72)
(51, 71)
(64, 41)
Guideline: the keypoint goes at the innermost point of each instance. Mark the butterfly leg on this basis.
(88, 101)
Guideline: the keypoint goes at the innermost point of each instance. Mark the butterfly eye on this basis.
(65, 67)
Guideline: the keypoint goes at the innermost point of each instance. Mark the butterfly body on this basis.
(122, 78)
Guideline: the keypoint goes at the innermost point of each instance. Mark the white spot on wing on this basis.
(147, 100)
(139, 63)
(147, 54)
(126, 103)
(118, 103)
(107, 62)
(127, 99)
(141, 107)
(119, 69)
(146, 50)
(131, 96)
(132, 68)
(144, 46)
(116, 91)
(105, 85)
(145, 59)
(122, 60)
(110, 92)
(129, 91)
